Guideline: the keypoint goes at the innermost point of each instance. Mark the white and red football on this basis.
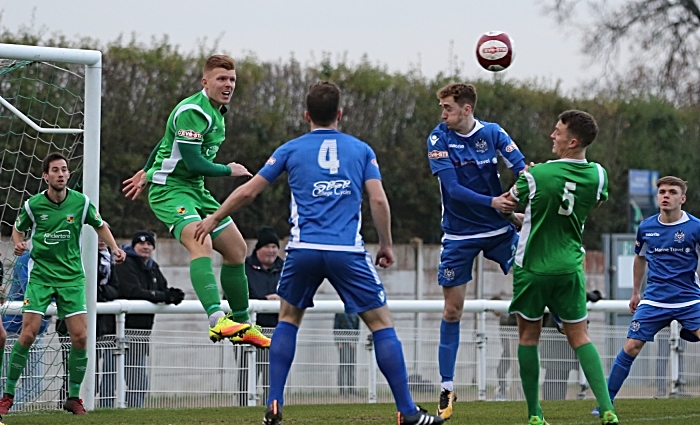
(494, 51)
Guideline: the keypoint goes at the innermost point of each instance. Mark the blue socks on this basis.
(390, 360)
(282, 349)
(619, 372)
(447, 353)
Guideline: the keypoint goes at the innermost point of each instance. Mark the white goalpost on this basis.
(47, 132)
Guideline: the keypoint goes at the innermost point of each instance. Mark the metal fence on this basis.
(171, 369)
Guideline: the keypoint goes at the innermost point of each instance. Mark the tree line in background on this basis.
(392, 112)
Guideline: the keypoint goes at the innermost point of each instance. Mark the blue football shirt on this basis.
(474, 157)
(671, 251)
(327, 170)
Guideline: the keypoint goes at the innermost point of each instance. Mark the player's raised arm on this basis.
(243, 195)
(133, 186)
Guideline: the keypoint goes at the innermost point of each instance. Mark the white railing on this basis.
(479, 354)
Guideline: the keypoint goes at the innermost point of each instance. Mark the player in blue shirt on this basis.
(463, 153)
(668, 243)
(327, 171)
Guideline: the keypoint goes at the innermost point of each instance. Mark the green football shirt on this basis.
(558, 196)
(194, 120)
(55, 235)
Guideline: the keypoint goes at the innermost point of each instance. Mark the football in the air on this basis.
(494, 51)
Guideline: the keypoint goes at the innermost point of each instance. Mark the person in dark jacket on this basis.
(263, 268)
(346, 333)
(140, 279)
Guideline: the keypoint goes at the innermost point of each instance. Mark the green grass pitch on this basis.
(571, 412)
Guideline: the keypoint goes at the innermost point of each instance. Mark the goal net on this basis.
(43, 109)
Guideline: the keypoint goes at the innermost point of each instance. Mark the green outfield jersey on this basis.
(558, 196)
(194, 120)
(55, 231)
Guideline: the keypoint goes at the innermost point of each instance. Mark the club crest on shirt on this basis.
(481, 146)
(448, 273)
(511, 147)
(70, 218)
(679, 236)
(181, 210)
(635, 325)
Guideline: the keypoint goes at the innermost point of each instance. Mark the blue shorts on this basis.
(352, 274)
(648, 320)
(457, 256)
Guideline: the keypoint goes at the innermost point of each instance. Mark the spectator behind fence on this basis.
(346, 334)
(32, 384)
(140, 279)
(107, 290)
(263, 268)
(504, 364)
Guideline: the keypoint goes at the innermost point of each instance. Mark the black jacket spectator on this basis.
(262, 282)
(141, 280)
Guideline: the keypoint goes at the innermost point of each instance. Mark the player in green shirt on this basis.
(548, 272)
(54, 220)
(176, 169)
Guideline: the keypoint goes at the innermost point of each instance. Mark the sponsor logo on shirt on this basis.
(480, 162)
(97, 216)
(181, 209)
(43, 217)
(190, 134)
(657, 249)
(456, 146)
(679, 236)
(434, 139)
(56, 237)
(438, 154)
(70, 218)
(481, 146)
(270, 161)
(515, 190)
(511, 147)
(331, 188)
(651, 234)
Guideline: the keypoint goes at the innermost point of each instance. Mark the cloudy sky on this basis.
(397, 34)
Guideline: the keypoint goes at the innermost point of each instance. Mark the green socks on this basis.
(204, 284)
(529, 360)
(593, 369)
(77, 366)
(234, 282)
(18, 360)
